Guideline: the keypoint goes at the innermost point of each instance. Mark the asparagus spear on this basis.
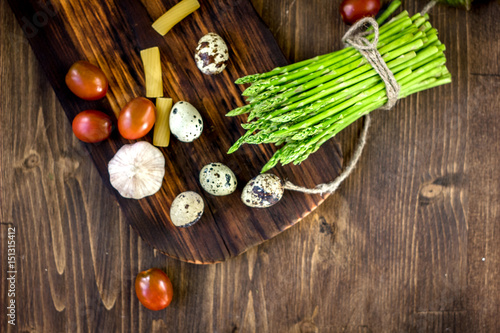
(305, 104)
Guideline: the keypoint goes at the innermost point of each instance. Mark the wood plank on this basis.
(111, 34)
(372, 258)
(483, 250)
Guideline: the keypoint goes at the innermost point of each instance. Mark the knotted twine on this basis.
(356, 38)
(428, 7)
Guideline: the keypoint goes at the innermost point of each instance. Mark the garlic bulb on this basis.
(136, 171)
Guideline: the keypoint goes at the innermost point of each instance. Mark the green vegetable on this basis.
(457, 3)
(302, 105)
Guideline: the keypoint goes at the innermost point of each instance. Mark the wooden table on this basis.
(409, 243)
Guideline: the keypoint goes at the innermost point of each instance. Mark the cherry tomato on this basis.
(87, 81)
(154, 289)
(353, 10)
(92, 126)
(137, 118)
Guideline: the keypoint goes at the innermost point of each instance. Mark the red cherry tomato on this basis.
(353, 10)
(87, 81)
(92, 126)
(154, 289)
(137, 118)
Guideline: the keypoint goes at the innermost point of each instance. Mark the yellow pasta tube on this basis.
(161, 134)
(174, 15)
(152, 72)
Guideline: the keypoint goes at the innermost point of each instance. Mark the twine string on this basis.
(356, 38)
(428, 7)
(334, 185)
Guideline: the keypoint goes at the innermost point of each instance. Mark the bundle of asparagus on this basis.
(302, 105)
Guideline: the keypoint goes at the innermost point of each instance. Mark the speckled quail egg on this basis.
(186, 209)
(218, 179)
(185, 122)
(211, 54)
(263, 191)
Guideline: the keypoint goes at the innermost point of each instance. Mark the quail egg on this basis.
(186, 209)
(263, 191)
(218, 179)
(185, 122)
(211, 54)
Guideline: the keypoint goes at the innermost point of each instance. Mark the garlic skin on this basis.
(136, 171)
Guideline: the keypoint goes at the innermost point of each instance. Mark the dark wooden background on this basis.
(410, 243)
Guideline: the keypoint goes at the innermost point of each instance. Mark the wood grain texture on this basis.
(399, 248)
(111, 34)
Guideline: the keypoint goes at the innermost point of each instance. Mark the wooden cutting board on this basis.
(110, 34)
